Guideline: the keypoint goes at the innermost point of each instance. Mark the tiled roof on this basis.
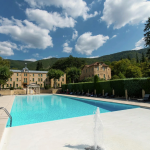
(96, 63)
(30, 71)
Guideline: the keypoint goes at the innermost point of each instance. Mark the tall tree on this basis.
(137, 58)
(143, 58)
(129, 57)
(74, 73)
(5, 73)
(37, 66)
(56, 74)
(147, 37)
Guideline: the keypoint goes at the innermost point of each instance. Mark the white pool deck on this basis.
(122, 130)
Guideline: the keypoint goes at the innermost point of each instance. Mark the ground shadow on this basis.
(81, 146)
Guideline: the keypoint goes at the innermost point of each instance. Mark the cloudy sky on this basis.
(41, 29)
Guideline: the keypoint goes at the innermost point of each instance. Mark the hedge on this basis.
(134, 86)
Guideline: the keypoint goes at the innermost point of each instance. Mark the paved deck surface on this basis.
(123, 130)
(115, 100)
(5, 101)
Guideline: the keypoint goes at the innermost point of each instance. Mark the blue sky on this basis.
(41, 29)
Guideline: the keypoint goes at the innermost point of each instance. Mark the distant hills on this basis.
(19, 64)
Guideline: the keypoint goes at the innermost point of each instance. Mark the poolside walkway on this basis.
(115, 100)
(122, 130)
(5, 101)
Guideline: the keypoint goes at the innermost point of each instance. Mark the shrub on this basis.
(11, 88)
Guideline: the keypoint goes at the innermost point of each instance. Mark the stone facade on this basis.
(21, 78)
(100, 69)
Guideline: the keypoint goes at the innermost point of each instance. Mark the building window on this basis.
(10, 79)
(58, 79)
(33, 74)
(41, 75)
(17, 74)
(25, 80)
(62, 79)
(7, 85)
(39, 79)
(97, 68)
(46, 75)
(17, 85)
(16, 79)
(104, 76)
(10, 85)
(104, 68)
(33, 79)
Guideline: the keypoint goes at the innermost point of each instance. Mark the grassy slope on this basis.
(49, 62)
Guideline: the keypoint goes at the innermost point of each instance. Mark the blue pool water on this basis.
(43, 108)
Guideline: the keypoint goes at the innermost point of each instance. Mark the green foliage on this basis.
(11, 88)
(137, 58)
(56, 74)
(133, 86)
(69, 80)
(121, 76)
(5, 73)
(69, 62)
(147, 32)
(88, 79)
(74, 73)
(4, 62)
(47, 87)
(115, 77)
(133, 72)
(39, 66)
(13, 84)
(96, 79)
(143, 59)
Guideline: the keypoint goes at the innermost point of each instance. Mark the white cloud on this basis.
(50, 57)
(35, 55)
(114, 36)
(25, 51)
(140, 44)
(75, 34)
(93, 57)
(26, 32)
(32, 59)
(87, 43)
(6, 48)
(66, 48)
(74, 8)
(122, 12)
(50, 20)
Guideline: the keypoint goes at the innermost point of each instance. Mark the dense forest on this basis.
(17, 64)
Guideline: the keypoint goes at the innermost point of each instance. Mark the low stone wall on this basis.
(46, 91)
(54, 91)
(12, 92)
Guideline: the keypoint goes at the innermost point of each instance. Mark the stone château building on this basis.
(100, 69)
(24, 77)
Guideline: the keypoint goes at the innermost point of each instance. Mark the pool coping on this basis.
(112, 100)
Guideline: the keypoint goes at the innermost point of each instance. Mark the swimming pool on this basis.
(42, 108)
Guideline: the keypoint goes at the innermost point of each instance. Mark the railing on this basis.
(7, 114)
